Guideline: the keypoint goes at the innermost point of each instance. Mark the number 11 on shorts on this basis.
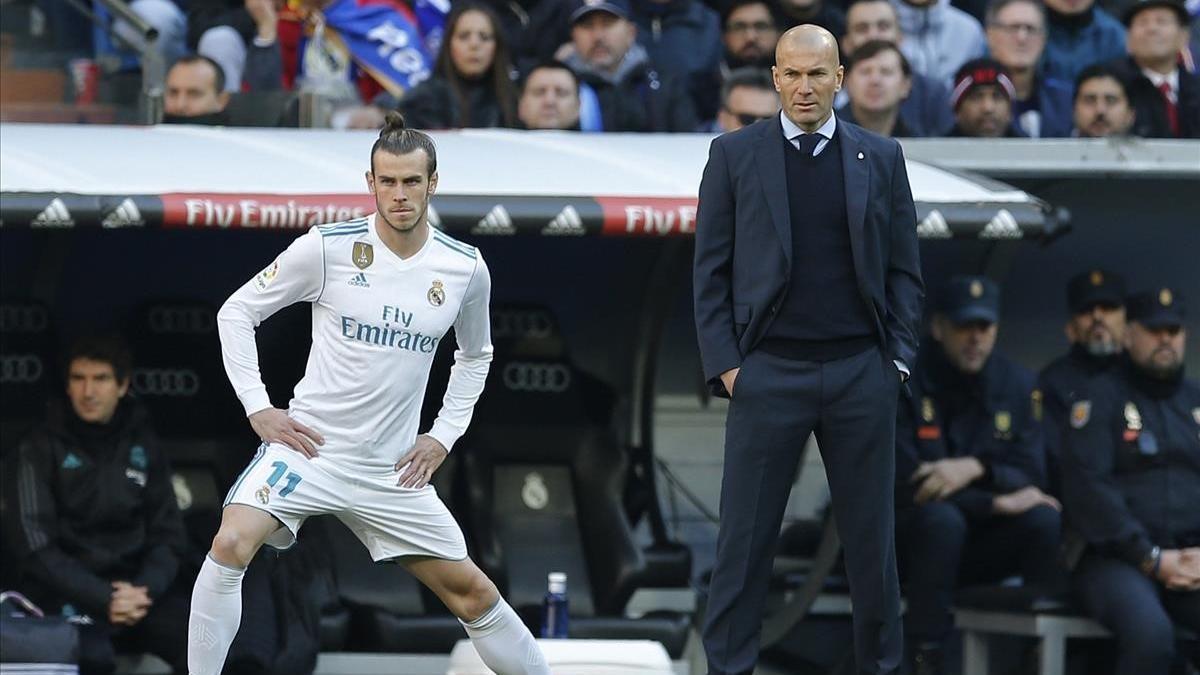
(293, 479)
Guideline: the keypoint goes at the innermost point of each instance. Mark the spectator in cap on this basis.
(1016, 36)
(1079, 34)
(982, 101)
(747, 96)
(1095, 330)
(549, 98)
(1131, 485)
(878, 78)
(938, 38)
(1165, 96)
(817, 12)
(971, 500)
(683, 39)
(621, 89)
(926, 110)
(1102, 104)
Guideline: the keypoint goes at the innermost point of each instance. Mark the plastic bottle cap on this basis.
(558, 582)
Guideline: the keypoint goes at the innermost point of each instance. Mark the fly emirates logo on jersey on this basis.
(394, 332)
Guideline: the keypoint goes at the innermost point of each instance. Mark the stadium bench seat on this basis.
(1005, 610)
(545, 483)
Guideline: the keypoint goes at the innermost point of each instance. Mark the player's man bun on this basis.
(397, 139)
(393, 121)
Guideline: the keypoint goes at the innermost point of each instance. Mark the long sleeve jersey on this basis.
(377, 321)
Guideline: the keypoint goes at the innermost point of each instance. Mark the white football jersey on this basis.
(377, 321)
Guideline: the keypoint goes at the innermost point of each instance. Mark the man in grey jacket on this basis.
(938, 38)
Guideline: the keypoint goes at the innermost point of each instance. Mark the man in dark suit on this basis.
(808, 297)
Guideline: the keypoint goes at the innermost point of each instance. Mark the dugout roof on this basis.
(492, 182)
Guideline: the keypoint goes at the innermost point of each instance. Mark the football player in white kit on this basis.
(384, 291)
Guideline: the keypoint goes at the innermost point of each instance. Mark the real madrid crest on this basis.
(263, 495)
(1081, 412)
(976, 289)
(1097, 277)
(362, 255)
(1165, 298)
(436, 294)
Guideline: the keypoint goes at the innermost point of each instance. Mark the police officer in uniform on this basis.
(1096, 331)
(970, 470)
(1131, 489)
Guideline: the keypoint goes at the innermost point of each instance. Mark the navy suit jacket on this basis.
(743, 258)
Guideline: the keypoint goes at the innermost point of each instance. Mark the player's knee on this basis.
(477, 597)
(233, 548)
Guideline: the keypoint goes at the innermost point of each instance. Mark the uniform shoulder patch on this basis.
(1081, 412)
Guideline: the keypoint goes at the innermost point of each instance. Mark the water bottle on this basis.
(554, 607)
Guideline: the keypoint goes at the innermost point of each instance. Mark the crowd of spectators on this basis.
(927, 68)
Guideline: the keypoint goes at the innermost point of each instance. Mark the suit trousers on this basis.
(850, 404)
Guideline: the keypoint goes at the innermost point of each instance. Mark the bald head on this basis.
(807, 75)
(808, 38)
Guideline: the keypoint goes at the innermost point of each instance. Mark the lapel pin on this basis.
(860, 155)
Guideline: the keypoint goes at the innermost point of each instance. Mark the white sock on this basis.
(216, 615)
(505, 644)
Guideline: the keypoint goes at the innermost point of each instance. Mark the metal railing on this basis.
(145, 43)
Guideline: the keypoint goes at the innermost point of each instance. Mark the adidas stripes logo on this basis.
(567, 223)
(54, 215)
(125, 215)
(496, 222)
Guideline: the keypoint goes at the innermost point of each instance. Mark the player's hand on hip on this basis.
(426, 455)
(274, 426)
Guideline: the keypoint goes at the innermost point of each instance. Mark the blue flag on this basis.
(383, 38)
(431, 20)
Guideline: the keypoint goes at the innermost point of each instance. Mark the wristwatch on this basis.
(1151, 562)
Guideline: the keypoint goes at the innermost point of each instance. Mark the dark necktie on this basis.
(808, 144)
(1172, 108)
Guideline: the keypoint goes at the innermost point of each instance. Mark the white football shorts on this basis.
(391, 521)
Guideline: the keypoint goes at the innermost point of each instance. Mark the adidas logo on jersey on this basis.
(54, 215)
(567, 222)
(1002, 226)
(496, 222)
(934, 226)
(125, 215)
(360, 280)
(71, 461)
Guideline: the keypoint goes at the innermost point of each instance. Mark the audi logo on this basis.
(23, 319)
(167, 319)
(166, 382)
(528, 324)
(20, 368)
(550, 378)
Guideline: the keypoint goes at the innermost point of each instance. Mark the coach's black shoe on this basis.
(927, 660)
